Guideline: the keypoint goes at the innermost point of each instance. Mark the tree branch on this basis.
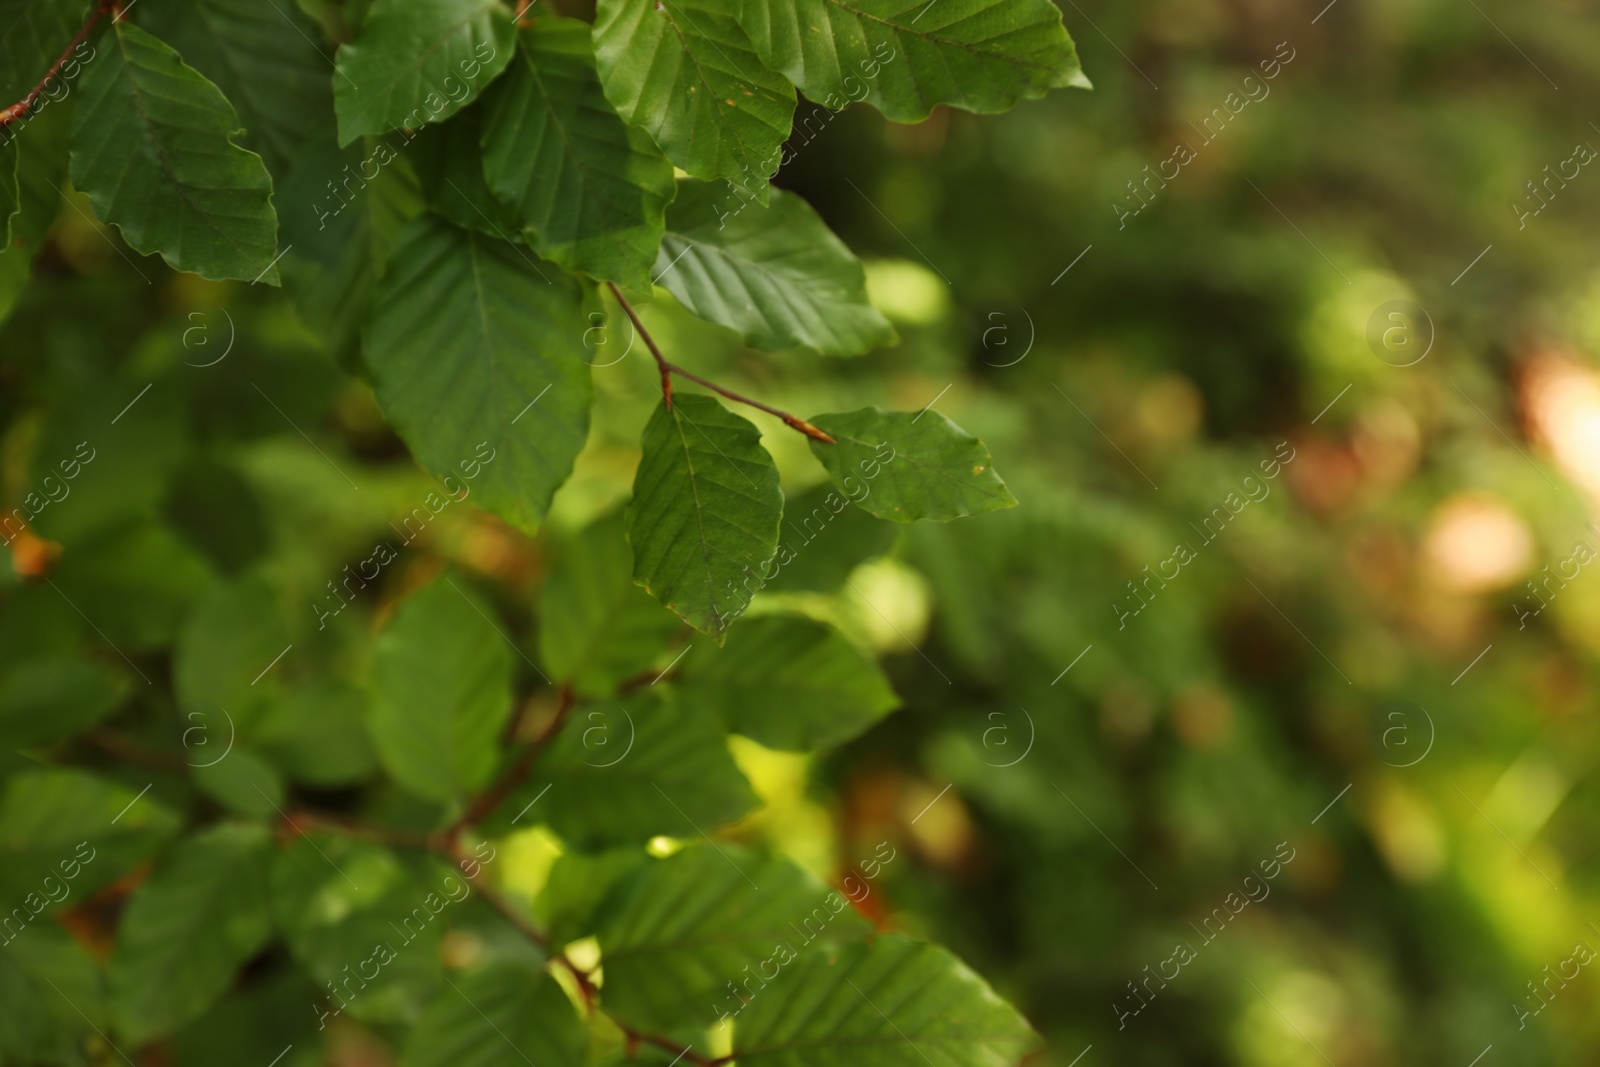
(23, 106)
(668, 369)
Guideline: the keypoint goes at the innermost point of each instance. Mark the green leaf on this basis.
(84, 830)
(831, 691)
(776, 274)
(230, 639)
(419, 61)
(824, 539)
(905, 467)
(318, 733)
(32, 34)
(625, 771)
(706, 917)
(600, 628)
(365, 925)
(892, 1003)
(591, 188)
(151, 146)
(137, 582)
(265, 59)
(242, 781)
(200, 916)
(905, 57)
(38, 1023)
(442, 675)
(573, 899)
(44, 700)
(476, 351)
(449, 162)
(705, 511)
(507, 1012)
(342, 237)
(685, 71)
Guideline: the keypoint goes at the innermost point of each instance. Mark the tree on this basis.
(464, 212)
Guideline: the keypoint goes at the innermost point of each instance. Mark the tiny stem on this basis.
(496, 794)
(793, 421)
(650, 342)
(668, 369)
(23, 106)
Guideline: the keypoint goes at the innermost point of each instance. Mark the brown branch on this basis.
(668, 369)
(661, 361)
(793, 421)
(302, 819)
(23, 106)
(484, 803)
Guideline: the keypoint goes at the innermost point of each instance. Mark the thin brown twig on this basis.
(495, 795)
(793, 421)
(661, 361)
(668, 369)
(22, 107)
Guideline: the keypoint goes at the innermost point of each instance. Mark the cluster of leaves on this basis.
(451, 207)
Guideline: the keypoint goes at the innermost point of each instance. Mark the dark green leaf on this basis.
(599, 627)
(905, 57)
(892, 1003)
(83, 831)
(625, 771)
(905, 467)
(201, 915)
(478, 352)
(831, 691)
(343, 212)
(364, 924)
(137, 583)
(443, 692)
(449, 163)
(775, 274)
(705, 511)
(220, 664)
(574, 897)
(419, 61)
(508, 1012)
(823, 539)
(10, 187)
(32, 34)
(685, 71)
(265, 59)
(151, 146)
(591, 188)
(707, 917)
(46, 978)
(47, 699)
(242, 781)
(318, 733)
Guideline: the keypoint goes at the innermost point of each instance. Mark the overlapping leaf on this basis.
(905, 57)
(443, 678)
(151, 147)
(685, 71)
(506, 1012)
(32, 35)
(477, 357)
(591, 188)
(600, 628)
(708, 916)
(705, 511)
(903, 466)
(776, 274)
(264, 58)
(201, 915)
(626, 771)
(50, 698)
(831, 691)
(419, 61)
(892, 1003)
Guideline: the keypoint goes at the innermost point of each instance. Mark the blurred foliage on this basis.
(1349, 672)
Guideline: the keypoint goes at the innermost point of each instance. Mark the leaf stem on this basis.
(794, 422)
(22, 107)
